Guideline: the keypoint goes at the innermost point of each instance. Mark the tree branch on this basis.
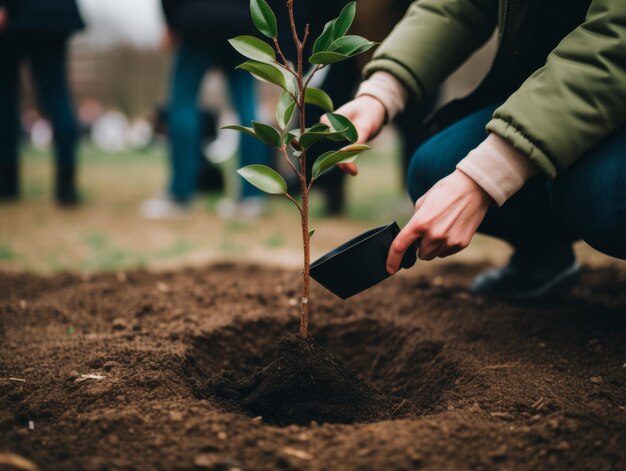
(306, 34)
(291, 198)
(280, 52)
(313, 72)
(283, 151)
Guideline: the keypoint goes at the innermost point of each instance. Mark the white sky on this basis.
(111, 22)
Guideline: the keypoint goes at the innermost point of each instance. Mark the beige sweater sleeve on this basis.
(495, 165)
(498, 168)
(388, 90)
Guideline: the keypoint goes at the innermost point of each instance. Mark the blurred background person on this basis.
(198, 30)
(38, 31)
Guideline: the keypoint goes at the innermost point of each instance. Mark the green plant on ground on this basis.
(269, 64)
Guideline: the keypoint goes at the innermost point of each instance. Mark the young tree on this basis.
(332, 46)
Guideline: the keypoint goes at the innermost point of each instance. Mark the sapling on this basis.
(266, 62)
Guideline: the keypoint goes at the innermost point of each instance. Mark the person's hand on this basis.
(168, 40)
(446, 218)
(368, 116)
(4, 17)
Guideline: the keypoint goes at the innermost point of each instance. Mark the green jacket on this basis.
(568, 102)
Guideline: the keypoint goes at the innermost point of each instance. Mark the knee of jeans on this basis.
(608, 236)
(419, 179)
(603, 228)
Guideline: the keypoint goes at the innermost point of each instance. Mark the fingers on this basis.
(429, 248)
(349, 168)
(411, 232)
(441, 244)
(366, 113)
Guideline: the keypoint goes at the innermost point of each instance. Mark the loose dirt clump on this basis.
(117, 373)
(303, 383)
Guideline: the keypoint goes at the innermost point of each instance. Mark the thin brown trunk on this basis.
(306, 239)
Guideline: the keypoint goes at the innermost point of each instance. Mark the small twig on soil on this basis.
(89, 376)
(13, 379)
(303, 455)
(501, 367)
(375, 362)
(395, 411)
(539, 404)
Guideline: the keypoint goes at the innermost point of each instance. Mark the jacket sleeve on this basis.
(577, 99)
(432, 40)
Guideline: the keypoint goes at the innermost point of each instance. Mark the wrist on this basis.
(498, 168)
(388, 90)
(473, 188)
(374, 106)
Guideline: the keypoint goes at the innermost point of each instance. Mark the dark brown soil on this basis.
(303, 383)
(126, 372)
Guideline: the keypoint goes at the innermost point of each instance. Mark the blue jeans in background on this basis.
(47, 57)
(586, 201)
(190, 64)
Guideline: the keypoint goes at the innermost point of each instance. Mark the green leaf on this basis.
(267, 134)
(284, 109)
(263, 18)
(293, 134)
(338, 121)
(311, 232)
(265, 72)
(264, 178)
(317, 97)
(329, 159)
(243, 129)
(364, 48)
(348, 45)
(318, 132)
(327, 58)
(344, 20)
(326, 38)
(253, 48)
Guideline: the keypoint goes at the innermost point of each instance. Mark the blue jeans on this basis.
(586, 201)
(47, 55)
(184, 121)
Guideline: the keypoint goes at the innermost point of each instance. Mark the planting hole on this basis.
(401, 372)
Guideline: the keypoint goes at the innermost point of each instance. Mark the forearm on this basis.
(496, 166)
(388, 90)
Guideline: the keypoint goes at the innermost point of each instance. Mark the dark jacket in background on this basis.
(213, 22)
(42, 16)
(208, 20)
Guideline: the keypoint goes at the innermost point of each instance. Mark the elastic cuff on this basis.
(498, 168)
(388, 90)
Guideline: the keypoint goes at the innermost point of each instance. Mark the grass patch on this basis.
(7, 254)
(275, 240)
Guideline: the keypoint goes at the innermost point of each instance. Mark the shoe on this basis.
(163, 208)
(246, 208)
(527, 278)
(68, 198)
(8, 197)
(9, 187)
(65, 192)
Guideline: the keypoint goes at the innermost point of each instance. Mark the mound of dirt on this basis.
(303, 383)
